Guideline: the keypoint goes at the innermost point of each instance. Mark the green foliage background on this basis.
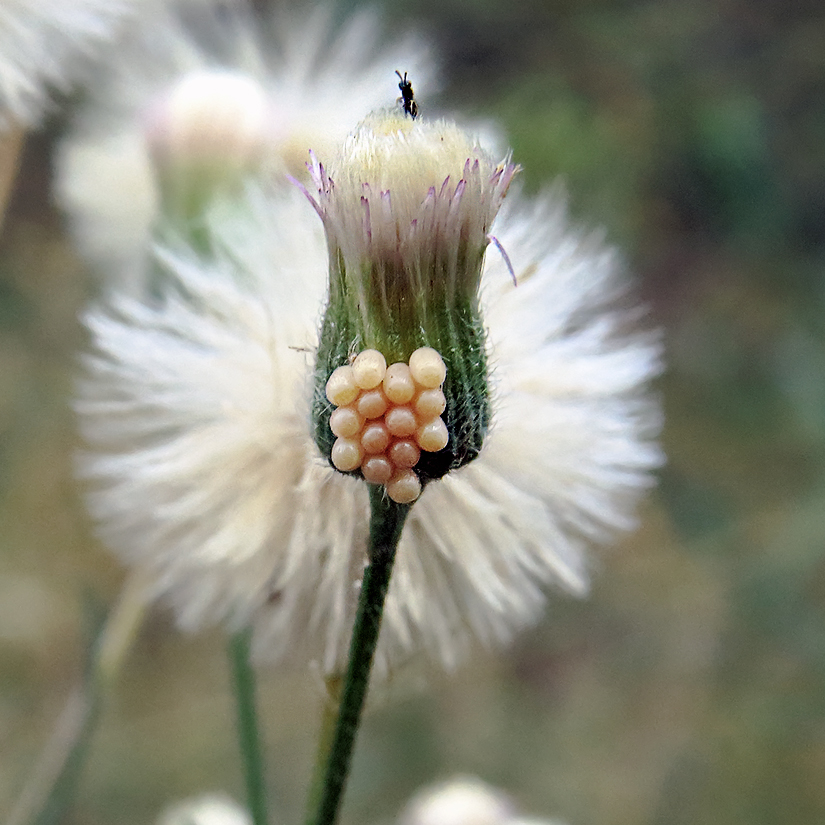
(690, 686)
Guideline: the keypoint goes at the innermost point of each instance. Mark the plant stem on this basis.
(51, 782)
(248, 731)
(386, 522)
(329, 717)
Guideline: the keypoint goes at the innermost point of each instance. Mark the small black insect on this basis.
(407, 99)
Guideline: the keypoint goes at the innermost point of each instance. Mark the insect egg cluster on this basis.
(385, 416)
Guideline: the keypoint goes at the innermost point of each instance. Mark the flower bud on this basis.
(407, 208)
(209, 809)
(209, 131)
(459, 801)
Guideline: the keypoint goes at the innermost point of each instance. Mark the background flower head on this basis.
(208, 809)
(464, 800)
(146, 119)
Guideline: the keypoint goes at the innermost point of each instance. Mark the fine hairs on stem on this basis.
(386, 522)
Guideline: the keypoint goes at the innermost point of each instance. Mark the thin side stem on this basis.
(50, 784)
(386, 522)
(50, 787)
(249, 738)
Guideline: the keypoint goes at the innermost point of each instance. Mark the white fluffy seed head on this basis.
(460, 801)
(307, 60)
(54, 44)
(207, 136)
(210, 809)
(202, 469)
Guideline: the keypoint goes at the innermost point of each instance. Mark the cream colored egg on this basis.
(346, 422)
(433, 436)
(377, 469)
(427, 367)
(369, 369)
(372, 404)
(347, 454)
(375, 438)
(341, 388)
(401, 421)
(430, 404)
(404, 454)
(399, 386)
(404, 488)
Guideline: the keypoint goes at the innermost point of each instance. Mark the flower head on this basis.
(459, 801)
(209, 809)
(205, 135)
(198, 99)
(464, 800)
(407, 208)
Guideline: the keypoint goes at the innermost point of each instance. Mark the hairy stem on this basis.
(386, 522)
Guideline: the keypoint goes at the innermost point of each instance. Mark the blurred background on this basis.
(690, 686)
